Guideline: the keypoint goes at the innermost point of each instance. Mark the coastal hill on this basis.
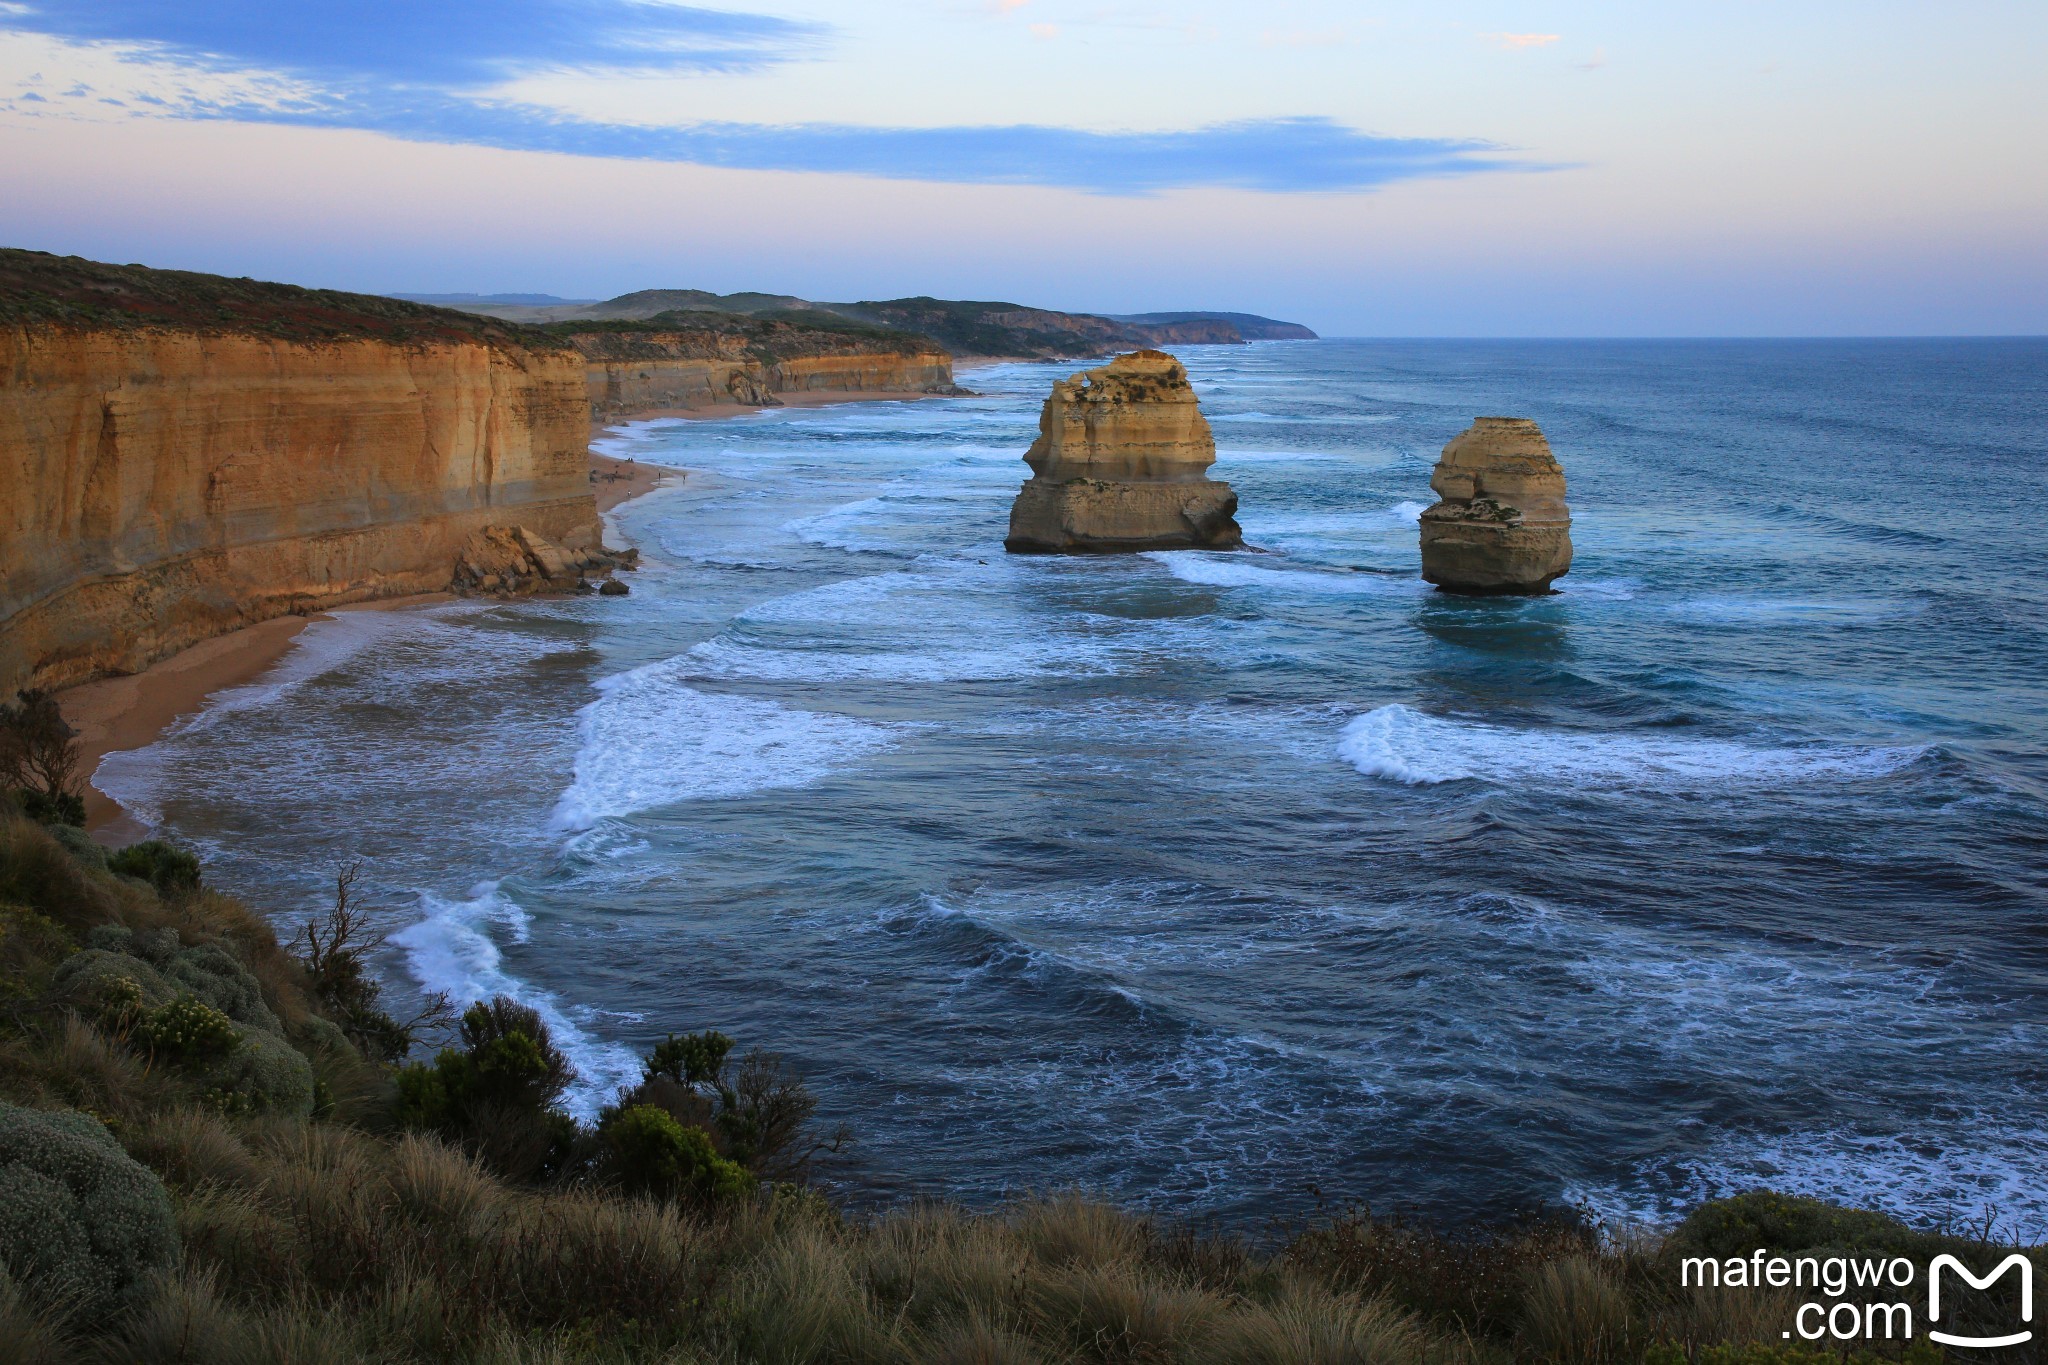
(969, 329)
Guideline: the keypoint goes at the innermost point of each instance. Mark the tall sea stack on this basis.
(1502, 525)
(1122, 463)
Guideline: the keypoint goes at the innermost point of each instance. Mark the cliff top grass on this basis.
(336, 1204)
(39, 289)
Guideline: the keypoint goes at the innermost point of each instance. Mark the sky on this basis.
(1802, 167)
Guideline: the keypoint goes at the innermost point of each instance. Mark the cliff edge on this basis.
(183, 454)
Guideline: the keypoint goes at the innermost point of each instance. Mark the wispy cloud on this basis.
(1045, 30)
(444, 44)
(1521, 40)
(275, 72)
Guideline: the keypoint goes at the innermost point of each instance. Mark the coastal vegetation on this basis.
(219, 1146)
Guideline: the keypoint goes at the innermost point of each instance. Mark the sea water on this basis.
(1237, 884)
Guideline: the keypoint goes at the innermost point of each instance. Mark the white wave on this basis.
(650, 740)
(1410, 512)
(1790, 610)
(453, 948)
(1044, 658)
(1246, 571)
(1405, 745)
(1938, 1171)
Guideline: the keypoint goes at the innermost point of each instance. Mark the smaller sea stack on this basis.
(1121, 463)
(1502, 525)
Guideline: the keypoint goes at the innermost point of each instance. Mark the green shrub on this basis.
(1739, 1225)
(496, 1094)
(81, 846)
(30, 947)
(83, 1228)
(760, 1111)
(170, 869)
(653, 1153)
(186, 1031)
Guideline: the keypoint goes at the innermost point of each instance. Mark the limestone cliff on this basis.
(181, 455)
(1122, 463)
(1502, 525)
(699, 360)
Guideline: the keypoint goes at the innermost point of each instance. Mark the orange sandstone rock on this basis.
(1122, 463)
(162, 483)
(1502, 525)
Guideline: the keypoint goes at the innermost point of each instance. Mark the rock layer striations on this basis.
(1502, 525)
(181, 455)
(1122, 463)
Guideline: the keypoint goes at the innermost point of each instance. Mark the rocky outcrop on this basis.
(1502, 525)
(183, 455)
(1122, 463)
(512, 561)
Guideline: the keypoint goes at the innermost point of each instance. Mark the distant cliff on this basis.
(985, 330)
(184, 454)
(702, 359)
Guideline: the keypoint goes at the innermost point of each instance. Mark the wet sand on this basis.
(114, 714)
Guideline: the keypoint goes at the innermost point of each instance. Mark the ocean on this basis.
(1236, 886)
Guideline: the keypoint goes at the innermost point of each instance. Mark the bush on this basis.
(83, 1228)
(1786, 1223)
(761, 1113)
(653, 1153)
(168, 868)
(186, 1031)
(39, 758)
(496, 1094)
(335, 952)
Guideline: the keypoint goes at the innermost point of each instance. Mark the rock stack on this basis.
(1122, 463)
(1502, 525)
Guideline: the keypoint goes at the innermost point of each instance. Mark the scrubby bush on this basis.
(759, 1110)
(653, 1153)
(171, 870)
(39, 759)
(1738, 1225)
(83, 1227)
(187, 1031)
(335, 951)
(496, 1093)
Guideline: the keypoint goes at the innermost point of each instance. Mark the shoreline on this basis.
(135, 710)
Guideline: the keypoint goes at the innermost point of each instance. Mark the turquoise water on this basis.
(1231, 883)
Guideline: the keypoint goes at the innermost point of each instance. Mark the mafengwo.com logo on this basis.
(1866, 1298)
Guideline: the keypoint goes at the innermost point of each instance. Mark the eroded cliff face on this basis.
(162, 484)
(1122, 463)
(639, 372)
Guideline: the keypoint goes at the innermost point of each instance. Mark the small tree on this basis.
(335, 950)
(498, 1093)
(759, 1109)
(39, 758)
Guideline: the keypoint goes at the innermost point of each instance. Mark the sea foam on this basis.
(1405, 745)
(651, 740)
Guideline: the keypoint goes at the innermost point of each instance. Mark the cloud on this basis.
(174, 66)
(443, 44)
(1521, 40)
(1045, 30)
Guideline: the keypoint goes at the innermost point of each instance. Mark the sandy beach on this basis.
(115, 714)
